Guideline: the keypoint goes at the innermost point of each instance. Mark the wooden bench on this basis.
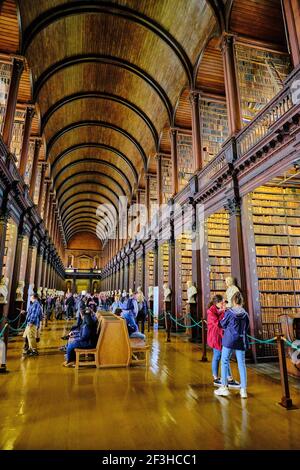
(114, 347)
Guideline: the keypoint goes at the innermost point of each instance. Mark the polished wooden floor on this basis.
(169, 405)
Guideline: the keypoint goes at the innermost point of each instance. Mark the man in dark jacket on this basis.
(33, 319)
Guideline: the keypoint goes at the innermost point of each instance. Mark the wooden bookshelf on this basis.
(17, 135)
(185, 159)
(149, 271)
(5, 76)
(163, 271)
(183, 255)
(261, 75)
(139, 273)
(277, 243)
(166, 171)
(217, 227)
(214, 128)
(29, 163)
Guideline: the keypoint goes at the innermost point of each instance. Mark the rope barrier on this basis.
(3, 329)
(18, 329)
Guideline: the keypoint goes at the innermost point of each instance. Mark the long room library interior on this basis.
(150, 226)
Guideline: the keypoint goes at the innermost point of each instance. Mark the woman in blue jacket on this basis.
(235, 324)
(87, 338)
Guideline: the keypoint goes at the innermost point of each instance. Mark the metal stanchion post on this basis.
(168, 324)
(204, 356)
(286, 400)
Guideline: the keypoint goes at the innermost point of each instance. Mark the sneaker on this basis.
(233, 384)
(217, 383)
(222, 391)
(69, 364)
(33, 352)
(243, 393)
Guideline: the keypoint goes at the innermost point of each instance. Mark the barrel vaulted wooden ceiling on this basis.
(110, 77)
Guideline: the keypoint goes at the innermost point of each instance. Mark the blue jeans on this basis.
(240, 357)
(215, 363)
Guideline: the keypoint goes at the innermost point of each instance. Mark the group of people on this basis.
(130, 306)
(227, 326)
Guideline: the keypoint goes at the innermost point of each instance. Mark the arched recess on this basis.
(81, 7)
(93, 123)
(83, 166)
(108, 60)
(104, 96)
(91, 109)
(94, 145)
(92, 206)
(89, 193)
(99, 198)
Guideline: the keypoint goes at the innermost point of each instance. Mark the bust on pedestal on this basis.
(150, 293)
(167, 293)
(191, 293)
(4, 290)
(20, 291)
(168, 306)
(231, 290)
(192, 302)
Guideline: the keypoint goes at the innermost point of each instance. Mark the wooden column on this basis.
(44, 269)
(4, 216)
(46, 203)
(148, 197)
(159, 179)
(233, 207)
(25, 144)
(291, 11)
(42, 188)
(196, 130)
(252, 283)
(173, 136)
(231, 85)
(29, 267)
(17, 69)
(38, 268)
(16, 272)
(34, 172)
(172, 280)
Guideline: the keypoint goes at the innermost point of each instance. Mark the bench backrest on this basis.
(113, 347)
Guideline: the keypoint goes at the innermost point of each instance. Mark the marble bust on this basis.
(20, 291)
(150, 293)
(4, 290)
(191, 292)
(167, 293)
(231, 290)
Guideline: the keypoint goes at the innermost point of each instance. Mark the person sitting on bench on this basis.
(133, 329)
(87, 338)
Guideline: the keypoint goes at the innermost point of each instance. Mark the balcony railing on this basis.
(265, 121)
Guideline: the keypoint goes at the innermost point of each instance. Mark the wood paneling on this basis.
(210, 74)
(183, 116)
(165, 142)
(164, 48)
(77, 242)
(259, 19)
(9, 27)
